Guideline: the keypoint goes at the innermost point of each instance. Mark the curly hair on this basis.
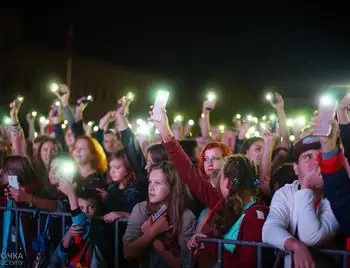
(242, 174)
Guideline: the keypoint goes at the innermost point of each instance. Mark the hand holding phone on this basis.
(13, 181)
(160, 102)
(326, 111)
(159, 213)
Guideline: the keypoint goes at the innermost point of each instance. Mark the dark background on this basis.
(297, 50)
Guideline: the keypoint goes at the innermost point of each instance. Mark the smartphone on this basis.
(274, 124)
(13, 181)
(55, 111)
(159, 213)
(88, 99)
(161, 102)
(326, 112)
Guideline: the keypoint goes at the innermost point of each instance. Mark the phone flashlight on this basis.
(130, 96)
(269, 96)
(88, 99)
(54, 87)
(42, 119)
(178, 119)
(20, 99)
(6, 120)
(191, 122)
(211, 96)
(34, 114)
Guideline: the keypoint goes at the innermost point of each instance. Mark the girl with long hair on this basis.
(165, 238)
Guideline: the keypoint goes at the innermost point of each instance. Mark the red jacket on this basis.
(253, 221)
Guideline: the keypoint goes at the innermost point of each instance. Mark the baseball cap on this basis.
(305, 144)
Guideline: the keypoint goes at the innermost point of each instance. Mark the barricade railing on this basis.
(19, 211)
(259, 245)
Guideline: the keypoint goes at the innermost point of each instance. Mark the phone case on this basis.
(326, 114)
(13, 182)
(159, 213)
(161, 101)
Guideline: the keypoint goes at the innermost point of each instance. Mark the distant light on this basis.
(7, 120)
(65, 122)
(251, 130)
(221, 127)
(290, 122)
(269, 96)
(263, 118)
(64, 126)
(95, 128)
(178, 119)
(89, 97)
(249, 117)
(272, 117)
(255, 120)
(42, 119)
(301, 121)
(35, 134)
(263, 126)
(54, 87)
(20, 98)
(247, 135)
(34, 113)
(326, 100)
(191, 122)
(211, 96)
(90, 123)
(57, 103)
(47, 121)
(292, 138)
(238, 116)
(257, 134)
(139, 121)
(130, 96)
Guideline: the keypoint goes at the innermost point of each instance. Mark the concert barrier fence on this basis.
(19, 211)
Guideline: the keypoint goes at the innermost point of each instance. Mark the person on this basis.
(164, 238)
(300, 216)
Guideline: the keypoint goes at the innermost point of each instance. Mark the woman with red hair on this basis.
(92, 162)
(211, 160)
(212, 157)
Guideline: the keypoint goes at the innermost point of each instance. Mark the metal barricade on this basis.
(19, 211)
(259, 245)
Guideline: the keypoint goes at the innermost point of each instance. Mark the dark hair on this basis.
(189, 147)
(21, 167)
(130, 178)
(158, 154)
(95, 198)
(282, 176)
(247, 143)
(242, 174)
(40, 169)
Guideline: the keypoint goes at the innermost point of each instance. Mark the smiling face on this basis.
(255, 152)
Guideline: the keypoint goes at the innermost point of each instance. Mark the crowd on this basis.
(174, 188)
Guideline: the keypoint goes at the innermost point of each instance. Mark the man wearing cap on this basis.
(300, 217)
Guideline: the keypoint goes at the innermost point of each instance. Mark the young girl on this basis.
(125, 191)
(235, 215)
(165, 238)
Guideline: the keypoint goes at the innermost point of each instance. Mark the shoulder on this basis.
(287, 190)
(140, 207)
(188, 215)
(256, 212)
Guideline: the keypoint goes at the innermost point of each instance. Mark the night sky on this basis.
(293, 50)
